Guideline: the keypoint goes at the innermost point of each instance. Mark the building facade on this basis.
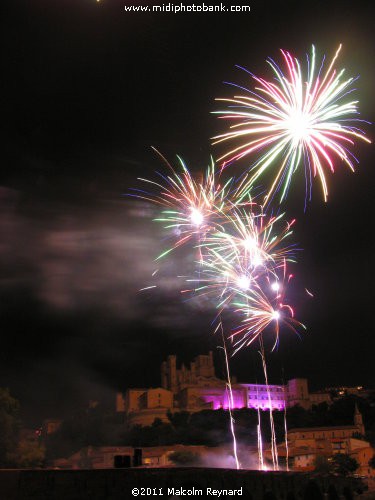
(197, 388)
(306, 444)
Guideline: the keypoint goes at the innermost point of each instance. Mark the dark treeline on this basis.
(100, 427)
(96, 427)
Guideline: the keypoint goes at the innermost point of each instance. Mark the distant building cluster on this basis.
(197, 388)
(306, 444)
(108, 457)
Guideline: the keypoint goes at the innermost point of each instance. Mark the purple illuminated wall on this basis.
(248, 396)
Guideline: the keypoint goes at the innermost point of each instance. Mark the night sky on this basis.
(87, 89)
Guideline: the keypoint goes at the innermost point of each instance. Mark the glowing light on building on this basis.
(254, 396)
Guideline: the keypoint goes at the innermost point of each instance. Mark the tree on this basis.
(9, 426)
(322, 465)
(344, 464)
(28, 454)
(179, 420)
(84, 428)
(184, 457)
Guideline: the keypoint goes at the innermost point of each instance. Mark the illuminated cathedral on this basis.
(197, 388)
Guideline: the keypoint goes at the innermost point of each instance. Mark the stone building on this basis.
(196, 388)
(307, 443)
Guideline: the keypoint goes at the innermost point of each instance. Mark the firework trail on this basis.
(230, 400)
(260, 443)
(275, 458)
(291, 120)
(260, 301)
(245, 257)
(260, 311)
(286, 435)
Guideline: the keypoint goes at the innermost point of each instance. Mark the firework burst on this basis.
(290, 121)
(252, 239)
(190, 204)
(248, 249)
(259, 310)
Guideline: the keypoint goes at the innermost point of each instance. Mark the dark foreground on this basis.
(173, 483)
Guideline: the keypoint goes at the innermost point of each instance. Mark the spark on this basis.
(295, 119)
